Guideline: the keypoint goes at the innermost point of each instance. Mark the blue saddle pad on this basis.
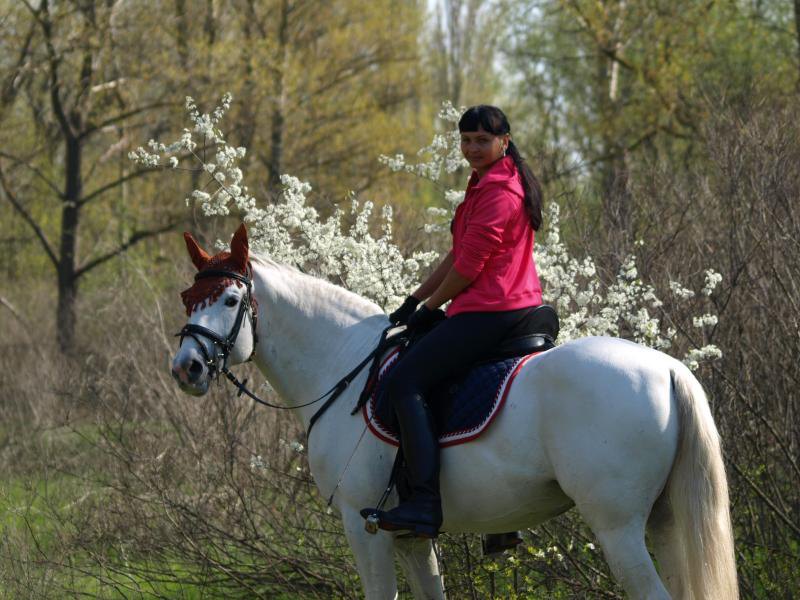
(463, 407)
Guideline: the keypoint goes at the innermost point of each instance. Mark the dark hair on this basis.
(492, 120)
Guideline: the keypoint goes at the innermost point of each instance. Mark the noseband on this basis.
(224, 344)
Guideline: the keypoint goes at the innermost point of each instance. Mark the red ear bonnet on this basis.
(206, 291)
(200, 257)
(240, 249)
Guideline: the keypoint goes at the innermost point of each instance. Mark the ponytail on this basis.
(530, 185)
(492, 120)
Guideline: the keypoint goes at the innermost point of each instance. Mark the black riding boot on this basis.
(421, 512)
(497, 543)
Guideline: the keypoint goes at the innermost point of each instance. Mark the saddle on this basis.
(536, 331)
(464, 404)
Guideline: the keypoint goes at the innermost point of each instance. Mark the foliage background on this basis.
(665, 129)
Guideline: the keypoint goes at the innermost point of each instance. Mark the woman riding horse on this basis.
(490, 278)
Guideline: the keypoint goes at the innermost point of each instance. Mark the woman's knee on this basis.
(400, 385)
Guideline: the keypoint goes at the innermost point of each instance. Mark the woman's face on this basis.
(482, 149)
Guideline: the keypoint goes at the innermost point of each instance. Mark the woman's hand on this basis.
(424, 318)
(407, 308)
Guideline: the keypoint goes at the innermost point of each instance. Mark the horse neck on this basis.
(311, 333)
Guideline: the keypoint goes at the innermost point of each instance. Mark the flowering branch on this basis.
(290, 231)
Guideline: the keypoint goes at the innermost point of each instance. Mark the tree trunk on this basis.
(617, 211)
(246, 125)
(70, 216)
(278, 108)
(182, 34)
(797, 29)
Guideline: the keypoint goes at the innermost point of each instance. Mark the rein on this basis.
(225, 346)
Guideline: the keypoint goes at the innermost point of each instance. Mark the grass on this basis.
(57, 542)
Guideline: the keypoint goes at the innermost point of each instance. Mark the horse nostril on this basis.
(195, 369)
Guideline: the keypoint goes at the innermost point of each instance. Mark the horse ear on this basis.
(240, 248)
(199, 256)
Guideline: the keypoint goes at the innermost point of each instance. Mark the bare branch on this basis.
(28, 219)
(50, 183)
(119, 181)
(90, 129)
(16, 314)
(765, 498)
(12, 84)
(54, 60)
(135, 238)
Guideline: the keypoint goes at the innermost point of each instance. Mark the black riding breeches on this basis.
(449, 348)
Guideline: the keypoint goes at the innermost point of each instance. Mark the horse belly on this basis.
(502, 480)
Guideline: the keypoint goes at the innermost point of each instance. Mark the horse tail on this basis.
(701, 541)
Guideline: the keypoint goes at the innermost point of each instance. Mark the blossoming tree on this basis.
(292, 232)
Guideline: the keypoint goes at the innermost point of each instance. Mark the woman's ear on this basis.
(240, 248)
(200, 257)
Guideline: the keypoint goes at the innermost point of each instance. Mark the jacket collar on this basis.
(503, 173)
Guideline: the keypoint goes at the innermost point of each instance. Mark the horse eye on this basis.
(232, 301)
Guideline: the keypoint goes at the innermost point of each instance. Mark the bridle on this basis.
(224, 345)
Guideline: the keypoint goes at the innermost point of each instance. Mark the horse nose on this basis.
(195, 370)
(189, 371)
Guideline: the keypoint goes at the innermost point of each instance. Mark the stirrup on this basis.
(376, 519)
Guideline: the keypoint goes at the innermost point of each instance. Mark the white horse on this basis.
(622, 432)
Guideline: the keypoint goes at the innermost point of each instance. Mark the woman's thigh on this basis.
(448, 348)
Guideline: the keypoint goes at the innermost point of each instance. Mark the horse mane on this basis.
(331, 292)
(205, 292)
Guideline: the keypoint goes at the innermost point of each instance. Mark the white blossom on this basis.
(712, 280)
(294, 446)
(680, 291)
(363, 256)
(696, 355)
(257, 463)
(706, 320)
(144, 158)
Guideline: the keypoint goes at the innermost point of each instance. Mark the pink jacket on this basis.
(493, 244)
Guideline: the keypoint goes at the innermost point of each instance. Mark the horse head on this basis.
(221, 330)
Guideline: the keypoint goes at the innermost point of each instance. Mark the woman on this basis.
(489, 277)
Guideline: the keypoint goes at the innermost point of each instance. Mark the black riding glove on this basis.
(400, 316)
(424, 318)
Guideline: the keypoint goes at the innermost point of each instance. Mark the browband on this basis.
(222, 273)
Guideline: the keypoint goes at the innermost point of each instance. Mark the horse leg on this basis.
(374, 557)
(666, 546)
(419, 563)
(627, 555)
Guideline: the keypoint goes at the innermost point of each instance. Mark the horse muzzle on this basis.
(191, 373)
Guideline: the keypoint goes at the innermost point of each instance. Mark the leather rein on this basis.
(225, 345)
